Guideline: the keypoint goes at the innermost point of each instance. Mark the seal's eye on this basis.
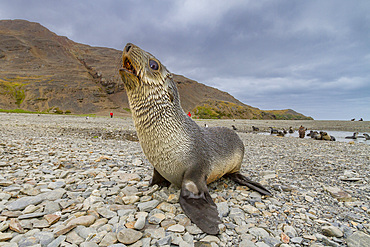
(153, 65)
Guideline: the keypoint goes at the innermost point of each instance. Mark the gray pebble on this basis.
(247, 243)
(259, 233)
(28, 241)
(89, 244)
(45, 238)
(358, 239)
(56, 242)
(164, 241)
(223, 209)
(296, 240)
(106, 213)
(332, 231)
(148, 206)
(140, 223)
(129, 236)
(109, 239)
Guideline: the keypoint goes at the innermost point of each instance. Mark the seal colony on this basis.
(181, 152)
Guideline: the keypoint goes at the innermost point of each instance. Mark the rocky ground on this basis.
(72, 181)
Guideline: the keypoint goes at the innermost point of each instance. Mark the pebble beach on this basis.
(78, 181)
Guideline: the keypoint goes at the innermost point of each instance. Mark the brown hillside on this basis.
(41, 71)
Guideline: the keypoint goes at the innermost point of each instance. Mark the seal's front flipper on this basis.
(159, 179)
(243, 180)
(198, 205)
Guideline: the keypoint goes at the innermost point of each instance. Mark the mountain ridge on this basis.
(42, 71)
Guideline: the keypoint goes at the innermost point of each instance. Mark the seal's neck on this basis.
(154, 112)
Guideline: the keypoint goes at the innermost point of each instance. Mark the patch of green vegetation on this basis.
(46, 112)
(57, 110)
(54, 110)
(291, 117)
(205, 112)
(216, 109)
(20, 111)
(288, 115)
(14, 86)
(85, 115)
(127, 109)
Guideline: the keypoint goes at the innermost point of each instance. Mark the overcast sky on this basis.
(310, 56)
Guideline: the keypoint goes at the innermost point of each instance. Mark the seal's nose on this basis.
(128, 47)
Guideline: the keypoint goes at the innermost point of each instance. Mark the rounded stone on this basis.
(156, 219)
(129, 236)
(83, 220)
(176, 228)
(332, 231)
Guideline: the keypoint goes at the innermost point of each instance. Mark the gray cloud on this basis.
(312, 56)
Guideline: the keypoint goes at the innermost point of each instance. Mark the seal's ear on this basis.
(199, 206)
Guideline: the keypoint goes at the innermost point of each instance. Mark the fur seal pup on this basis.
(301, 131)
(325, 136)
(181, 152)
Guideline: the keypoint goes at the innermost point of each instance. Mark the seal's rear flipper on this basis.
(199, 207)
(243, 180)
(159, 179)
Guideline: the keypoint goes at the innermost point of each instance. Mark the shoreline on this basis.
(244, 125)
(263, 125)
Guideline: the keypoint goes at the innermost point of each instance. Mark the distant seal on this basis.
(354, 136)
(273, 131)
(281, 133)
(367, 137)
(319, 136)
(255, 128)
(313, 134)
(301, 131)
(181, 152)
(325, 136)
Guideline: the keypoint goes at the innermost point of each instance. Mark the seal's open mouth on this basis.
(128, 66)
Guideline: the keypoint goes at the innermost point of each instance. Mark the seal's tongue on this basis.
(128, 66)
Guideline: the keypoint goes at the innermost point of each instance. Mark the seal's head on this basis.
(146, 80)
(141, 68)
